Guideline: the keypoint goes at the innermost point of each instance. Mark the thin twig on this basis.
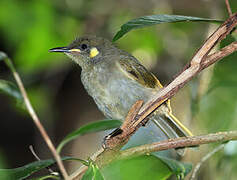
(35, 117)
(38, 159)
(205, 158)
(179, 143)
(79, 172)
(212, 58)
(228, 7)
(33, 152)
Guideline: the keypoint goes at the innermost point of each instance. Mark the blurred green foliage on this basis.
(218, 106)
(30, 28)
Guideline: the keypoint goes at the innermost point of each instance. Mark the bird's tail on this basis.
(172, 127)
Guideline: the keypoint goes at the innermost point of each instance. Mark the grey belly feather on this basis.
(115, 98)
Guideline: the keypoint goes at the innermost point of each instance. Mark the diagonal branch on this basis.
(212, 58)
(191, 141)
(179, 143)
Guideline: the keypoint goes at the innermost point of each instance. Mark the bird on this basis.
(116, 80)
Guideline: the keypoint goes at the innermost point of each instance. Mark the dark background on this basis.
(28, 28)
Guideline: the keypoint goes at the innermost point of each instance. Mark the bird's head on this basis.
(87, 51)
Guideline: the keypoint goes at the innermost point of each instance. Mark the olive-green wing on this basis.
(134, 70)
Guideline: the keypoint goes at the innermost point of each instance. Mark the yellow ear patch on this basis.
(75, 50)
(93, 52)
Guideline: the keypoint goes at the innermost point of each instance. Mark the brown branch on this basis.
(34, 115)
(167, 144)
(228, 7)
(127, 126)
(212, 58)
(179, 143)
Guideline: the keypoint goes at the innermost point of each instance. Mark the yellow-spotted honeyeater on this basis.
(116, 80)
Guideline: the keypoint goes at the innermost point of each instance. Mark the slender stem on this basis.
(79, 172)
(228, 7)
(36, 119)
(212, 58)
(38, 159)
(205, 158)
(179, 143)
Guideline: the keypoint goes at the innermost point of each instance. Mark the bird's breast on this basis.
(113, 92)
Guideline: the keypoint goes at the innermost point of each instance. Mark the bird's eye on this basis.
(84, 46)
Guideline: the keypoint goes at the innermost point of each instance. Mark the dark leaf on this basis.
(157, 19)
(47, 177)
(180, 169)
(10, 89)
(2, 56)
(89, 128)
(27, 170)
(92, 173)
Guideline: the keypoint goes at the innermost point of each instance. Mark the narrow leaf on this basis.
(47, 177)
(92, 173)
(25, 171)
(7, 87)
(10, 89)
(145, 21)
(180, 169)
(2, 56)
(89, 128)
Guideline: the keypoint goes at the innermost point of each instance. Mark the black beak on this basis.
(59, 49)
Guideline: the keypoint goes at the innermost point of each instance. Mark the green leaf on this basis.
(145, 21)
(2, 56)
(10, 89)
(27, 170)
(51, 176)
(146, 167)
(180, 169)
(92, 173)
(89, 128)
